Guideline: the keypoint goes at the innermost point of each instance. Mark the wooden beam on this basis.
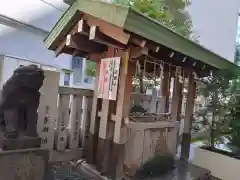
(95, 56)
(82, 43)
(111, 30)
(78, 44)
(153, 47)
(97, 36)
(135, 52)
(138, 41)
(69, 50)
(75, 91)
(141, 42)
(83, 27)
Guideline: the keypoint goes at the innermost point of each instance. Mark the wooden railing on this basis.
(64, 118)
(74, 107)
(64, 129)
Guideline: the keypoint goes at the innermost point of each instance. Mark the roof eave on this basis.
(91, 8)
(137, 23)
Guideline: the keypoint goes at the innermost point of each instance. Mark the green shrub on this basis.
(158, 165)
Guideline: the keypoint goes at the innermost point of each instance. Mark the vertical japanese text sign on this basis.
(108, 78)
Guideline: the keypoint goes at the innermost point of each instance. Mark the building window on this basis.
(77, 65)
(88, 80)
(66, 79)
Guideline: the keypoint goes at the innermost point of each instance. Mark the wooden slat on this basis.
(85, 126)
(149, 125)
(47, 110)
(75, 122)
(104, 119)
(62, 124)
(89, 93)
(153, 102)
(75, 91)
(165, 92)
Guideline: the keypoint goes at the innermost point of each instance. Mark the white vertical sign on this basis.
(47, 110)
(108, 78)
(113, 87)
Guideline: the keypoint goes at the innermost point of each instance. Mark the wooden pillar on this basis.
(123, 106)
(165, 89)
(47, 110)
(153, 102)
(186, 137)
(93, 132)
(176, 111)
(104, 140)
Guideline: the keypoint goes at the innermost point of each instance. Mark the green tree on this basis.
(90, 68)
(235, 111)
(237, 54)
(170, 13)
(216, 113)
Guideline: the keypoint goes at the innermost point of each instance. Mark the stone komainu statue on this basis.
(19, 102)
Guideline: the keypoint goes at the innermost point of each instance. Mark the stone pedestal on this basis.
(22, 142)
(25, 164)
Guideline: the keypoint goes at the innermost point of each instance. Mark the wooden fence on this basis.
(64, 117)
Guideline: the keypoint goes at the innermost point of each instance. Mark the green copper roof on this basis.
(137, 23)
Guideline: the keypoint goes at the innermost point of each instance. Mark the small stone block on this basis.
(22, 142)
(24, 164)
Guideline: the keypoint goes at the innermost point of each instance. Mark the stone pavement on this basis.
(184, 171)
(65, 171)
(24, 164)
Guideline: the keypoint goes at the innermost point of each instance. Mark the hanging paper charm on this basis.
(161, 71)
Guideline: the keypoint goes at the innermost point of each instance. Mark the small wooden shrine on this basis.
(120, 39)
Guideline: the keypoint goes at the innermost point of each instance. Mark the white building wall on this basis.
(9, 63)
(29, 45)
(215, 22)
